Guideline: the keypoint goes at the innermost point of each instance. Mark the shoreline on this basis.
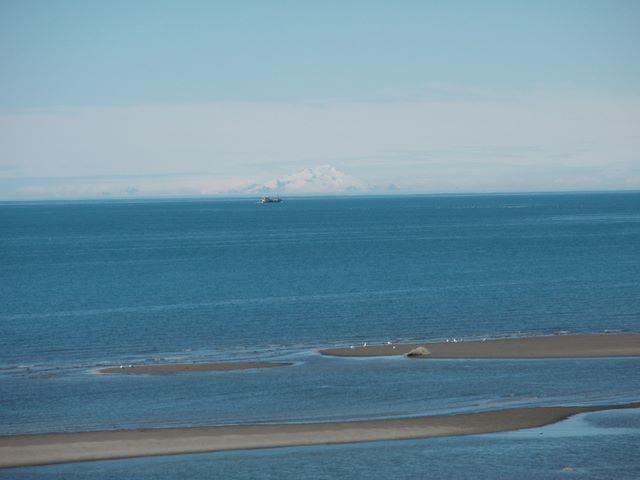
(557, 346)
(171, 368)
(55, 448)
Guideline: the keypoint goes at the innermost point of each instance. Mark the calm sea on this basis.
(88, 284)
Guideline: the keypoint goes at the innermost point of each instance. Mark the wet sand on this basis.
(558, 346)
(29, 450)
(170, 368)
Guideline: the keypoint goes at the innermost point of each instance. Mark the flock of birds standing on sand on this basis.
(452, 340)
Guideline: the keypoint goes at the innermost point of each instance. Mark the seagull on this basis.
(364, 344)
(351, 346)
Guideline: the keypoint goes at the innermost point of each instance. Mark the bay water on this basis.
(92, 284)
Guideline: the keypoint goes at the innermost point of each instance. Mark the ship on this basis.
(270, 200)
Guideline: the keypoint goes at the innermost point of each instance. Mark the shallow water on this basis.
(314, 389)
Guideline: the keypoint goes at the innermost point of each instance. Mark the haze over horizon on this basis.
(147, 98)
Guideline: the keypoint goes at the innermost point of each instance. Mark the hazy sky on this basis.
(188, 97)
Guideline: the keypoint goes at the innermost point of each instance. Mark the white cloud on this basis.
(527, 142)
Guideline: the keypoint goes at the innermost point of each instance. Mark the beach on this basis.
(557, 346)
(171, 368)
(31, 450)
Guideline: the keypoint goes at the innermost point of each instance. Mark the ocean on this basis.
(91, 284)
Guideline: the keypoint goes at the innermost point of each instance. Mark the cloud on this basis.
(533, 141)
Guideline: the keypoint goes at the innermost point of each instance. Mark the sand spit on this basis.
(558, 346)
(29, 450)
(170, 368)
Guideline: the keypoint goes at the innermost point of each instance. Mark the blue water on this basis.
(105, 283)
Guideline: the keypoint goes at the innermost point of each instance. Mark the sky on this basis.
(162, 98)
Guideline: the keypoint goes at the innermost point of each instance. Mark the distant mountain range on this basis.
(319, 180)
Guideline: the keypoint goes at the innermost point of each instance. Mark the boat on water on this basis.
(270, 200)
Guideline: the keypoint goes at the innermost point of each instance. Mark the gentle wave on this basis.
(270, 299)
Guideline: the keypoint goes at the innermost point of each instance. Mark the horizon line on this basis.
(302, 196)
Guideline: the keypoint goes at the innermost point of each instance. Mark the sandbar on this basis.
(31, 450)
(556, 346)
(170, 368)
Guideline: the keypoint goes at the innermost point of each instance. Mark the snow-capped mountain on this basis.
(321, 179)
